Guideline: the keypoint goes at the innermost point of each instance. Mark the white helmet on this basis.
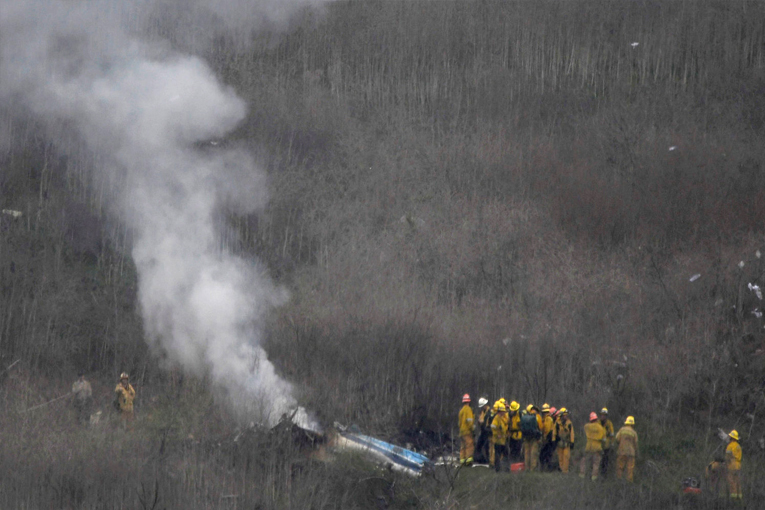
(482, 402)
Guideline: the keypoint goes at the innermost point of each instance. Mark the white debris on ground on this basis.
(12, 213)
(635, 44)
(695, 277)
(756, 289)
(672, 148)
(741, 265)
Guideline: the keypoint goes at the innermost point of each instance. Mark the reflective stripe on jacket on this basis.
(466, 420)
(125, 397)
(499, 429)
(564, 433)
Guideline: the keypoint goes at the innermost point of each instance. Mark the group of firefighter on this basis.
(507, 435)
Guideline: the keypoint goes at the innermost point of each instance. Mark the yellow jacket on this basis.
(595, 434)
(627, 439)
(499, 429)
(609, 426)
(125, 397)
(733, 456)
(547, 426)
(466, 420)
(515, 427)
(564, 433)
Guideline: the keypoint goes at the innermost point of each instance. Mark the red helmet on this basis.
(465, 398)
(593, 416)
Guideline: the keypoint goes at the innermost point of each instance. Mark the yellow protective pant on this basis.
(734, 484)
(466, 447)
(628, 462)
(126, 420)
(491, 452)
(564, 458)
(531, 454)
(593, 459)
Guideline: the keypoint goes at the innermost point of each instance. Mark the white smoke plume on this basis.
(144, 110)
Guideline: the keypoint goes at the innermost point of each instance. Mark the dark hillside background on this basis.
(501, 198)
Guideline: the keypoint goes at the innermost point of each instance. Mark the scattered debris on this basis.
(672, 148)
(13, 213)
(393, 456)
(758, 254)
(635, 44)
(741, 265)
(695, 277)
(756, 289)
(757, 313)
(691, 485)
(95, 418)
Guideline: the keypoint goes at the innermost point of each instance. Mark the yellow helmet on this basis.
(604, 411)
(630, 420)
(545, 407)
(503, 400)
(734, 434)
(124, 375)
(563, 410)
(514, 406)
(496, 405)
(501, 408)
(529, 408)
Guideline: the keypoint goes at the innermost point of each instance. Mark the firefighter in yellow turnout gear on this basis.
(593, 451)
(466, 423)
(608, 425)
(125, 395)
(499, 427)
(494, 412)
(627, 441)
(563, 433)
(515, 438)
(531, 437)
(547, 443)
(733, 455)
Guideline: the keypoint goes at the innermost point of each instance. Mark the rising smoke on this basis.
(143, 110)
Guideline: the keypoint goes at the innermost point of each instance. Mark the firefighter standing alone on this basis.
(733, 456)
(124, 397)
